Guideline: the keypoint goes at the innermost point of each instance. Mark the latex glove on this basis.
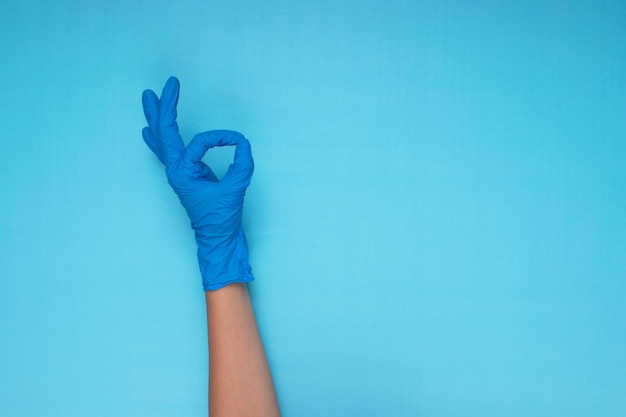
(214, 207)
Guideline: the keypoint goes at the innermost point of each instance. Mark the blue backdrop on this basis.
(436, 221)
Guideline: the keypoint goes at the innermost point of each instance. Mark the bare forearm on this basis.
(240, 383)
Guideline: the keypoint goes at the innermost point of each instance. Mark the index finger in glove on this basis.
(204, 141)
(150, 107)
(240, 171)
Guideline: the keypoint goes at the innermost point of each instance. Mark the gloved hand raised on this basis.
(214, 207)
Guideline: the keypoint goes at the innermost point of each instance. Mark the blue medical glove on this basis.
(214, 207)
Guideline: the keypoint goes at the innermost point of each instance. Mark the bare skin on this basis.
(240, 382)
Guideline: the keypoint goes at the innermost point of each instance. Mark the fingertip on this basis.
(169, 100)
(148, 96)
(242, 168)
(171, 90)
(150, 105)
(245, 143)
(173, 80)
(243, 153)
(146, 132)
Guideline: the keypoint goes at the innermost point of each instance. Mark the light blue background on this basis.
(436, 221)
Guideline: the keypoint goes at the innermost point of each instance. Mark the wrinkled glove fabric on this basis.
(214, 206)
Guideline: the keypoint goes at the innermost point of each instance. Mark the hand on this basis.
(214, 207)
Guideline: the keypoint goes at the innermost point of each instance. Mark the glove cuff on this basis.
(224, 264)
